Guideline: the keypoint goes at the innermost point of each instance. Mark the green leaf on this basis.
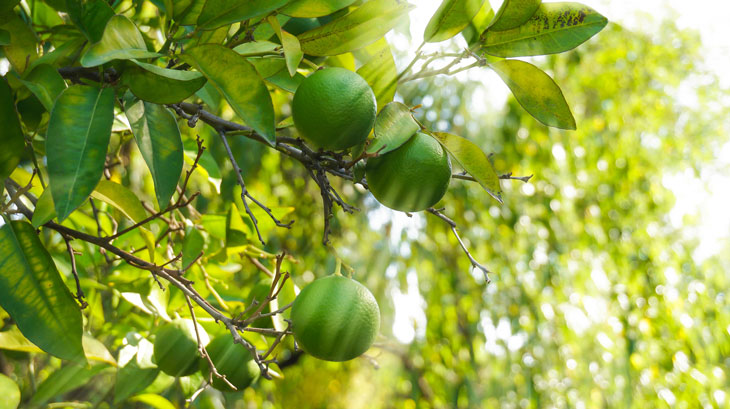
(21, 50)
(217, 13)
(186, 12)
(8, 5)
(10, 392)
(64, 380)
(34, 294)
(76, 143)
(94, 350)
(90, 17)
(4, 37)
(478, 24)
(11, 137)
(393, 127)
(292, 49)
(237, 80)
(536, 92)
(45, 83)
(161, 85)
(380, 73)
(131, 379)
(193, 245)
(156, 401)
(256, 48)
(514, 13)
(554, 28)
(473, 160)
(365, 25)
(121, 41)
(450, 18)
(158, 138)
(44, 210)
(314, 8)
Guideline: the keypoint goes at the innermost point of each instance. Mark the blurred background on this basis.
(610, 284)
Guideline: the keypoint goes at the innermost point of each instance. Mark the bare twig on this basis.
(72, 256)
(438, 213)
(464, 176)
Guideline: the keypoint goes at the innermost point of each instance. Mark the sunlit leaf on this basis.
(158, 138)
(121, 41)
(131, 379)
(10, 393)
(380, 73)
(44, 209)
(193, 245)
(21, 49)
(393, 127)
(473, 160)
(365, 25)
(240, 84)
(536, 92)
(161, 85)
(314, 8)
(34, 294)
(64, 380)
(514, 13)
(292, 49)
(478, 24)
(11, 137)
(76, 144)
(218, 13)
(155, 401)
(256, 48)
(451, 17)
(554, 28)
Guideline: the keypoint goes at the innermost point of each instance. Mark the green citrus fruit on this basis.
(334, 109)
(335, 318)
(176, 347)
(232, 360)
(411, 178)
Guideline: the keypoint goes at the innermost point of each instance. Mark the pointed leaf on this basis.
(393, 127)
(478, 24)
(158, 138)
(192, 246)
(44, 210)
(314, 8)
(554, 28)
(76, 143)
(121, 41)
(473, 160)
(161, 85)
(155, 401)
(122, 198)
(292, 49)
(450, 18)
(256, 48)
(10, 392)
(536, 92)
(94, 350)
(217, 13)
(365, 25)
(34, 294)
(45, 83)
(514, 13)
(237, 80)
(380, 73)
(131, 379)
(11, 137)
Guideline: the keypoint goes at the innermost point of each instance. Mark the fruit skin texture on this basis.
(176, 347)
(411, 178)
(335, 318)
(334, 109)
(232, 360)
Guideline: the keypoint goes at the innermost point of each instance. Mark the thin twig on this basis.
(438, 213)
(79, 292)
(464, 176)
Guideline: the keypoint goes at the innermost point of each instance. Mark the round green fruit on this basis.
(232, 360)
(335, 318)
(334, 108)
(176, 347)
(411, 178)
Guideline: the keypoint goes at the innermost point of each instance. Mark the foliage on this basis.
(182, 110)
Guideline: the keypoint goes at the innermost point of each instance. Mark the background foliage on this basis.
(596, 299)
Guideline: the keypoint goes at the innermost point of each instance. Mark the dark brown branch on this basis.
(464, 176)
(72, 256)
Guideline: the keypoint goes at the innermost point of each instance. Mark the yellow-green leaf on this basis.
(365, 25)
(121, 41)
(217, 13)
(380, 73)
(514, 13)
(473, 160)
(45, 83)
(393, 127)
(10, 393)
(536, 92)
(292, 49)
(11, 137)
(314, 8)
(44, 209)
(21, 50)
(450, 18)
(161, 85)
